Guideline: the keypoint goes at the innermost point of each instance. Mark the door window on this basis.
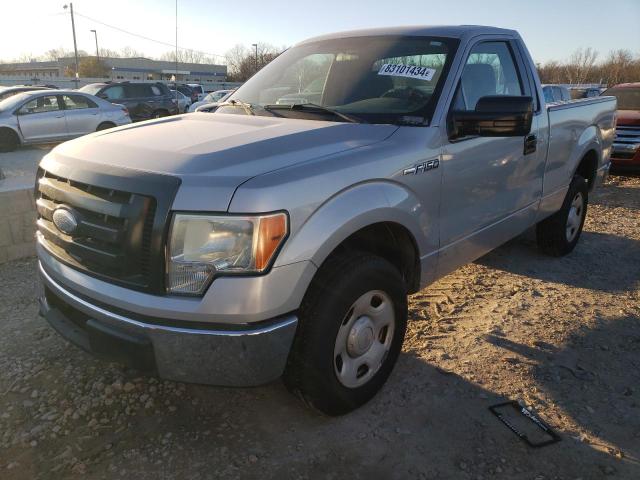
(77, 102)
(490, 70)
(115, 93)
(156, 91)
(139, 90)
(48, 103)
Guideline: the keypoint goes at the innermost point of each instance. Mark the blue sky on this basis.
(553, 29)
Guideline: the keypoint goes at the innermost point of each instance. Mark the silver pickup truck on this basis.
(280, 235)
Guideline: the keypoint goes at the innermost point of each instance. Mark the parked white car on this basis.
(184, 102)
(214, 97)
(46, 116)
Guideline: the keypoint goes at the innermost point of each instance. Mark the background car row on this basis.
(39, 114)
(44, 116)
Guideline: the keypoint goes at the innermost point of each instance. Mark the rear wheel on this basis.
(351, 327)
(105, 126)
(8, 140)
(558, 234)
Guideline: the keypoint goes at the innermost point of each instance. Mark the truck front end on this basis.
(127, 278)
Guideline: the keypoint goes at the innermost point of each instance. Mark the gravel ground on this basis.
(563, 335)
(23, 162)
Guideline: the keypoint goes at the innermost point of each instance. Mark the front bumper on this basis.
(251, 355)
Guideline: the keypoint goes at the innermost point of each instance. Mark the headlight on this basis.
(202, 246)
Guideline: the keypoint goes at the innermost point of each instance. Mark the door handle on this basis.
(59, 116)
(530, 144)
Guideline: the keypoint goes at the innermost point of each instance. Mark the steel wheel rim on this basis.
(574, 219)
(364, 339)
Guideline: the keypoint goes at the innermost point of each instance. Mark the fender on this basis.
(359, 206)
(588, 140)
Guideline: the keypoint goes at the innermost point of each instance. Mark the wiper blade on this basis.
(248, 108)
(313, 106)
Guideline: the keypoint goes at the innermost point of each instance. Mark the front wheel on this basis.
(351, 327)
(8, 140)
(558, 234)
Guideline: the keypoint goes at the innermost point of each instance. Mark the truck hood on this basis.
(628, 117)
(213, 154)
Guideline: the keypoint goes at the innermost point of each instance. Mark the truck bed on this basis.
(573, 126)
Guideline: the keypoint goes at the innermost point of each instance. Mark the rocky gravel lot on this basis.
(562, 335)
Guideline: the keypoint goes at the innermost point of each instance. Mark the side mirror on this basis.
(494, 116)
(102, 95)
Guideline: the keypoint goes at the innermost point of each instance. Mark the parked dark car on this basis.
(6, 92)
(626, 146)
(143, 100)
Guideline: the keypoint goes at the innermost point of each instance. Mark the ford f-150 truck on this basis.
(280, 235)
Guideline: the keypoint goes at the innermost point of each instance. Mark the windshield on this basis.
(13, 100)
(91, 89)
(379, 79)
(628, 98)
(7, 93)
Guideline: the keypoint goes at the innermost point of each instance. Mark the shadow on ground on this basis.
(586, 267)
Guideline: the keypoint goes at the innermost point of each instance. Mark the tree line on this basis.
(242, 61)
(586, 66)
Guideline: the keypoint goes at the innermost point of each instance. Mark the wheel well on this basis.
(390, 241)
(588, 166)
(104, 124)
(11, 131)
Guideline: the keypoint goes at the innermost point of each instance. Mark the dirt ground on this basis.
(563, 335)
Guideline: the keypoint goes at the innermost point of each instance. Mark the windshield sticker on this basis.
(410, 71)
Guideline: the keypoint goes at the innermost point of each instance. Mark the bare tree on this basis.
(620, 66)
(56, 53)
(580, 64)
(130, 52)
(243, 62)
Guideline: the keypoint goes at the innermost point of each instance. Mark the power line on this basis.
(167, 44)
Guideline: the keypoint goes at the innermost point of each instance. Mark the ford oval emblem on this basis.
(65, 221)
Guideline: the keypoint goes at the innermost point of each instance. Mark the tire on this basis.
(105, 126)
(8, 140)
(327, 367)
(558, 234)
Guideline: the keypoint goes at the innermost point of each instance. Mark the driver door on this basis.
(42, 119)
(491, 185)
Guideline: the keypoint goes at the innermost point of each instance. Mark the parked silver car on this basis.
(218, 96)
(184, 102)
(55, 115)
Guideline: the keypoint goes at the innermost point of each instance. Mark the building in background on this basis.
(119, 69)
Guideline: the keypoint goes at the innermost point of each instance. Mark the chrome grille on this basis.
(114, 228)
(626, 143)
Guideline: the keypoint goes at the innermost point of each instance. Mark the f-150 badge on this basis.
(422, 167)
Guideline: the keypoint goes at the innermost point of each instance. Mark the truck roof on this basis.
(453, 31)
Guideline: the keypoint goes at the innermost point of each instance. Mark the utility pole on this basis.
(75, 45)
(177, 104)
(256, 47)
(97, 51)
